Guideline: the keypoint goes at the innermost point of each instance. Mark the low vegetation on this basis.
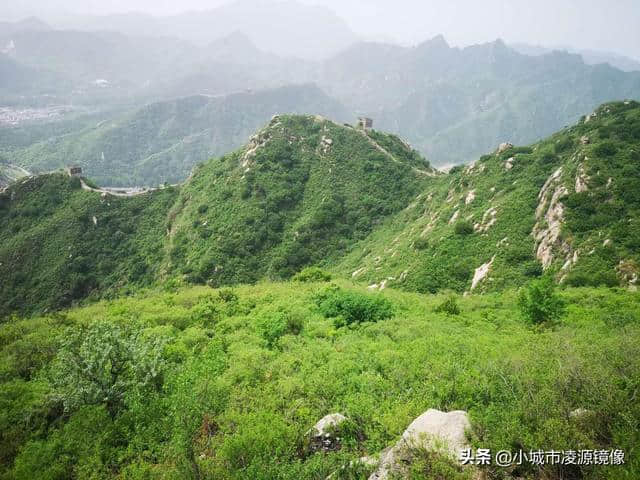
(203, 383)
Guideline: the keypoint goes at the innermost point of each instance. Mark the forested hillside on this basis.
(307, 191)
(163, 141)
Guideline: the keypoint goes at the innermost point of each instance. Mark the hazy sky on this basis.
(611, 25)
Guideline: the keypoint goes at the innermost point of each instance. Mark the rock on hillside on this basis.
(444, 432)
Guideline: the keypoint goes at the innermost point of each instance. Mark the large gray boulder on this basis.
(434, 430)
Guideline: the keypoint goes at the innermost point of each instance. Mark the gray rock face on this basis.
(433, 430)
(322, 437)
(328, 421)
(504, 147)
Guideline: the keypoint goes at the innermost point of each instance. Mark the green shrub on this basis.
(348, 308)
(205, 310)
(421, 244)
(273, 325)
(532, 268)
(548, 157)
(539, 303)
(227, 295)
(606, 149)
(463, 227)
(449, 306)
(563, 145)
(312, 274)
(99, 364)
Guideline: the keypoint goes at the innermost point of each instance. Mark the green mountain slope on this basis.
(302, 192)
(60, 243)
(163, 141)
(569, 204)
(307, 191)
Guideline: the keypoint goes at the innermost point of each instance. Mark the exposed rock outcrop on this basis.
(581, 180)
(481, 273)
(434, 430)
(549, 218)
(504, 147)
(488, 220)
(471, 196)
(508, 165)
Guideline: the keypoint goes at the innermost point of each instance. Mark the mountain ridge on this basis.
(308, 191)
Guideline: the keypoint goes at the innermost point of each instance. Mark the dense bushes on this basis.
(449, 306)
(312, 274)
(273, 325)
(98, 365)
(349, 308)
(606, 149)
(163, 395)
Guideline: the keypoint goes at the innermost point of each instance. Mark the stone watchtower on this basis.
(74, 171)
(365, 123)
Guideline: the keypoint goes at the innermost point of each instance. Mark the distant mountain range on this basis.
(287, 28)
(590, 57)
(452, 104)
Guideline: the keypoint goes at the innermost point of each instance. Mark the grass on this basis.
(235, 399)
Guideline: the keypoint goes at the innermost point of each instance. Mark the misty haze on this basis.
(319, 239)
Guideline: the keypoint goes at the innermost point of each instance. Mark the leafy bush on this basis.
(606, 149)
(539, 303)
(532, 269)
(273, 325)
(348, 308)
(312, 274)
(99, 364)
(449, 306)
(548, 157)
(203, 208)
(421, 243)
(563, 145)
(227, 295)
(463, 227)
(205, 310)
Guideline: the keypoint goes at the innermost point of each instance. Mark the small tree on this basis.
(539, 302)
(101, 363)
